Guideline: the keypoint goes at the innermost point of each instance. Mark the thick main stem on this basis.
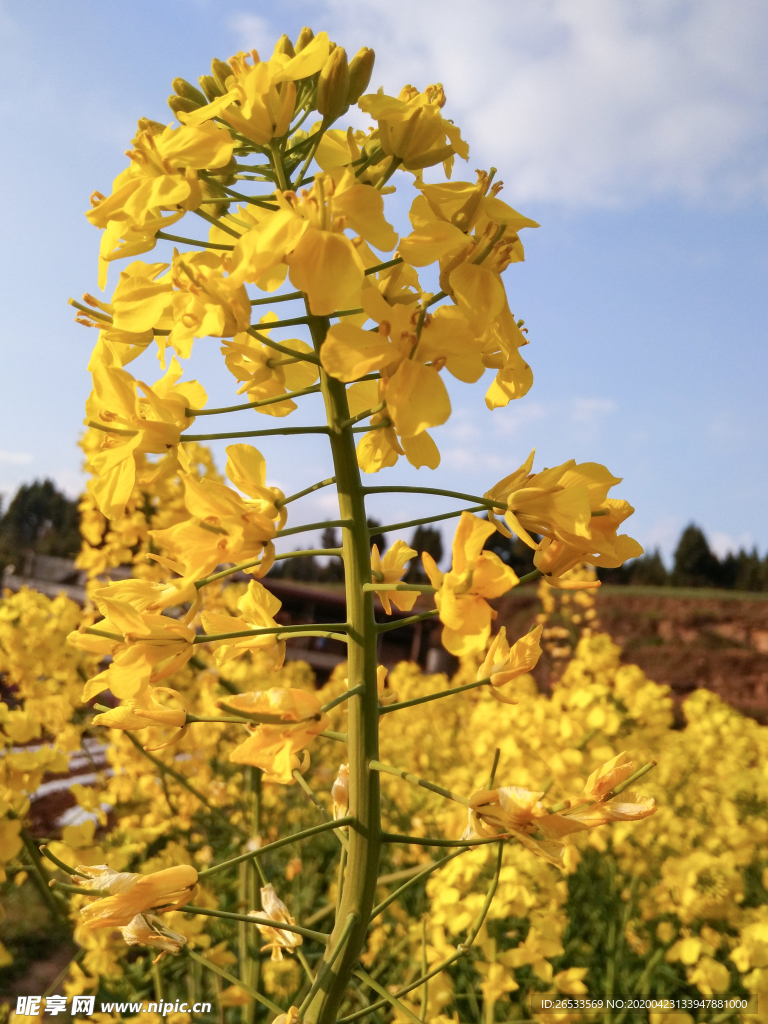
(359, 888)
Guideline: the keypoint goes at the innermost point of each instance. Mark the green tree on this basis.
(425, 538)
(41, 519)
(695, 565)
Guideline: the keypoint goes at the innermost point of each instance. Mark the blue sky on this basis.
(635, 133)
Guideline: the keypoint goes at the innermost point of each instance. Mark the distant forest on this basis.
(40, 518)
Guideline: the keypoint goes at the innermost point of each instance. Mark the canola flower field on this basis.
(392, 846)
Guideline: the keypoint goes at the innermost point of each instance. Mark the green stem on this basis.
(437, 298)
(388, 997)
(206, 638)
(254, 405)
(40, 878)
(293, 322)
(78, 890)
(341, 737)
(192, 241)
(308, 790)
(415, 780)
(307, 490)
(440, 492)
(381, 907)
(359, 886)
(95, 314)
(330, 958)
(256, 433)
(285, 841)
(393, 165)
(384, 627)
(218, 224)
(276, 158)
(529, 577)
(432, 696)
(344, 523)
(341, 698)
(282, 349)
(307, 933)
(361, 416)
(219, 815)
(494, 766)
(393, 837)
(419, 588)
(257, 561)
(390, 527)
(632, 778)
(461, 950)
(60, 863)
(270, 299)
(384, 266)
(235, 981)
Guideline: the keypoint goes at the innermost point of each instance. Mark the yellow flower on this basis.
(474, 576)
(470, 264)
(223, 528)
(144, 710)
(603, 547)
(205, 303)
(340, 792)
(571, 981)
(570, 507)
(501, 342)
(132, 894)
(264, 372)
(261, 95)
(504, 663)
(132, 417)
(148, 930)
(150, 648)
(258, 608)
(390, 569)
(325, 263)
(247, 469)
(292, 718)
(410, 349)
(277, 939)
(162, 176)
(412, 128)
(608, 776)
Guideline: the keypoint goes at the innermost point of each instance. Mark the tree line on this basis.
(41, 519)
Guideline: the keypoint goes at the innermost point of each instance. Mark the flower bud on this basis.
(284, 45)
(305, 38)
(181, 104)
(360, 71)
(221, 71)
(187, 91)
(333, 86)
(209, 87)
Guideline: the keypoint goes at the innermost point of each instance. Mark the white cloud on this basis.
(16, 458)
(723, 544)
(585, 102)
(589, 412)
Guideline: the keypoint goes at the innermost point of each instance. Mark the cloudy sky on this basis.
(634, 131)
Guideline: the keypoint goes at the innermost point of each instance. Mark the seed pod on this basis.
(187, 91)
(333, 85)
(284, 45)
(221, 72)
(360, 71)
(210, 88)
(180, 104)
(305, 38)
